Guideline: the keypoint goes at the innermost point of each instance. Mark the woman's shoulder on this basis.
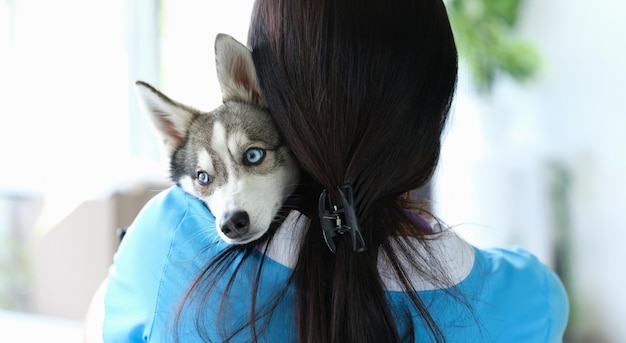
(508, 265)
(507, 293)
(515, 270)
(515, 257)
(172, 226)
(171, 217)
(517, 293)
(158, 257)
(169, 206)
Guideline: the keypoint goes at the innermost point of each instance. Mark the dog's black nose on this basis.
(235, 224)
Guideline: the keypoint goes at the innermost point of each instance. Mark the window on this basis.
(69, 120)
(70, 125)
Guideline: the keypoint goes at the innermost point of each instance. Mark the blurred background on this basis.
(535, 153)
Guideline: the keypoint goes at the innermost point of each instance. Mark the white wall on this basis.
(586, 119)
(494, 177)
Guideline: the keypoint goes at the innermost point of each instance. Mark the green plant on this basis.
(488, 43)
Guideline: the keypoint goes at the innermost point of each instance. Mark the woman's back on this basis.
(500, 295)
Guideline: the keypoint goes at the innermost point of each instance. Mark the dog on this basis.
(232, 158)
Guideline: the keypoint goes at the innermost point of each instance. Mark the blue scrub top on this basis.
(512, 296)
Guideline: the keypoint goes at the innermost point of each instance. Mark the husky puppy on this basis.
(232, 158)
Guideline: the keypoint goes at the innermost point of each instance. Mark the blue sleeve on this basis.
(559, 306)
(509, 296)
(163, 251)
(537, 295)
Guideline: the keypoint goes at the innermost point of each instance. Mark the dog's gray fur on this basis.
(243, 195)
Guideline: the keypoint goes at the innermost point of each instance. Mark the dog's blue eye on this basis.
(203, 178)
(254, 156)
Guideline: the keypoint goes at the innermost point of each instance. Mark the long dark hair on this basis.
(361, 91)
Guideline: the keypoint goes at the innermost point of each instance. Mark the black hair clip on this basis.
(338, 221)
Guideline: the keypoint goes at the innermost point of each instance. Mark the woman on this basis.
(361, 91)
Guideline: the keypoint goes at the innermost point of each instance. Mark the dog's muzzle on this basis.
(235, 224)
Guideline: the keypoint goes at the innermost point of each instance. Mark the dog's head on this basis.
(232, 158)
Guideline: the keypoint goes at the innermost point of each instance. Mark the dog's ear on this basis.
(236, 72)
(171, 118)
